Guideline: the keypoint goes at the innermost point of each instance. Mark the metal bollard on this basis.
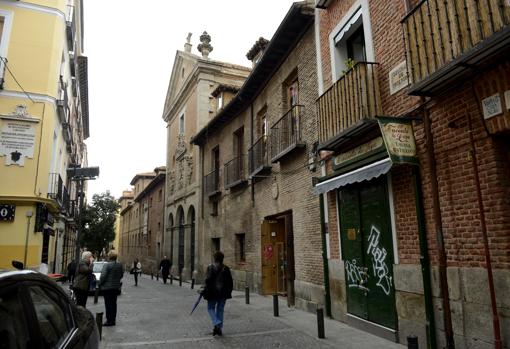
(412, 342)
(157, 276)
(320, 323)
(180, 279)
(152, 276)
(192, 283)
(96, 295)
(247, 294)
(171, 279)
(275, 305)
(99, 323)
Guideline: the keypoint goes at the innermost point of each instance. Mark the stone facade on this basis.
(450, 113)
(235, 210)
(188, 107)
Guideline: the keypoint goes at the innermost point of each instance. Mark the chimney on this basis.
(205, 47)
(257, 51)
(187, 45)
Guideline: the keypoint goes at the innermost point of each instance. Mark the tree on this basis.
(98, 222)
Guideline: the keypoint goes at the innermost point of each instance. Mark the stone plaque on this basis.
(17, 140)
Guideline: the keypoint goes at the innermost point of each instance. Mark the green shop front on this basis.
(360, 178)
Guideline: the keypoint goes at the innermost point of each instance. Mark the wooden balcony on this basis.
(354, 97)
(258, 156)
(234, 172)
(286, 134)
(212, 183)
(447, 40)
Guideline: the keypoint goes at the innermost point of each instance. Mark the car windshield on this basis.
(98, 267)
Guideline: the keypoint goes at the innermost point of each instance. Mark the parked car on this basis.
(35, 312)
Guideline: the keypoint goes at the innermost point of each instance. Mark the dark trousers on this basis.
(165, 276)
(110, 304)
(81, 297)
(136, 278)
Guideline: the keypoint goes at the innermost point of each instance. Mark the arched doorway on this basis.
(180, 251)
(191, 222)
(171, 228)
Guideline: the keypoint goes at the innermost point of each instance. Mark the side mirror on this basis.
(18, 265)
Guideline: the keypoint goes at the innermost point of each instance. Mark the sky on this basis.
(131, 47)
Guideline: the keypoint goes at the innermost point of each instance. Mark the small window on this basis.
(215, 245)
(181, 124)
(240, 246)
(356, 46)
(214, 209)
(160, 194)
(220, 100)
(150, 202)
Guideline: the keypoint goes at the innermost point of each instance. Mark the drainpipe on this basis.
(436, 210)
(325, 257)
(481, 209)
(250, 160)
(424, 260)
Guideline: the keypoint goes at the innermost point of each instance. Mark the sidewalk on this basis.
(154, 315)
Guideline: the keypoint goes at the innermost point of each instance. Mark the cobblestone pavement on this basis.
(154, 315)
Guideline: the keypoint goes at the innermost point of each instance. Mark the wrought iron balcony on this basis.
(68, 136)
(3, 63)
(212, 183)
(258, 156)
(445, 40)
(286, 134)
(354, 97)
(56, 188)
(234, 172)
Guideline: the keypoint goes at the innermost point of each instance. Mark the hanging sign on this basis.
(398, 137)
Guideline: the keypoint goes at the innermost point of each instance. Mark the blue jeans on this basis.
(215, 309)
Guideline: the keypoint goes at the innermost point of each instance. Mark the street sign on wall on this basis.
(398, 137)
(7, 212)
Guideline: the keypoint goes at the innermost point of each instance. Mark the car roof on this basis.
(12, 273)
(30, 277)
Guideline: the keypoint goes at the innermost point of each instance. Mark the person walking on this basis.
(136, 270)
(218, 288)
(165, 266)
(110, 284)
(71, 270)
(82, 278)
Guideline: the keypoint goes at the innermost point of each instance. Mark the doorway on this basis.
(367, 249)
(277, 255)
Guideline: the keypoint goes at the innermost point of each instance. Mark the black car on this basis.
(35, 312)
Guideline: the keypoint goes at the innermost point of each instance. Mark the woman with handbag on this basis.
(136, 269)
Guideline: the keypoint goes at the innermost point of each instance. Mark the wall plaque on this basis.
(7, 213)
(491, 106)
(17, 136)
(398, 77)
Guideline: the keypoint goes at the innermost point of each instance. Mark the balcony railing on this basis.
(439, 33)
(68, 136)
(56, 188)
(234, 172)
(355, 96)
(286, 133)
(212, 183)
(258, 156)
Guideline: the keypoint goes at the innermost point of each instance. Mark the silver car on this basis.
(35, 312)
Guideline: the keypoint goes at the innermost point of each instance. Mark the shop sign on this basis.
(7, 213)
(399, 139)
(359, 151)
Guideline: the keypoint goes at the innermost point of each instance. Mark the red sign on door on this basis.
(268, 251)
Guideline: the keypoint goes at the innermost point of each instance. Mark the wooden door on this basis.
(267, 258)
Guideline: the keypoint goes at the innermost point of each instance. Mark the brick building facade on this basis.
(259, 160)
(467, 113)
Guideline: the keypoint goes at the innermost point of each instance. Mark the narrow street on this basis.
(155, 315)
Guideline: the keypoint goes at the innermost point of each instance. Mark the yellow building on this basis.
(43, 123)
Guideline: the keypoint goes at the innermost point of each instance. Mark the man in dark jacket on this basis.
(218, 288)
(110, 286)
(165, 266)
(71, 270)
